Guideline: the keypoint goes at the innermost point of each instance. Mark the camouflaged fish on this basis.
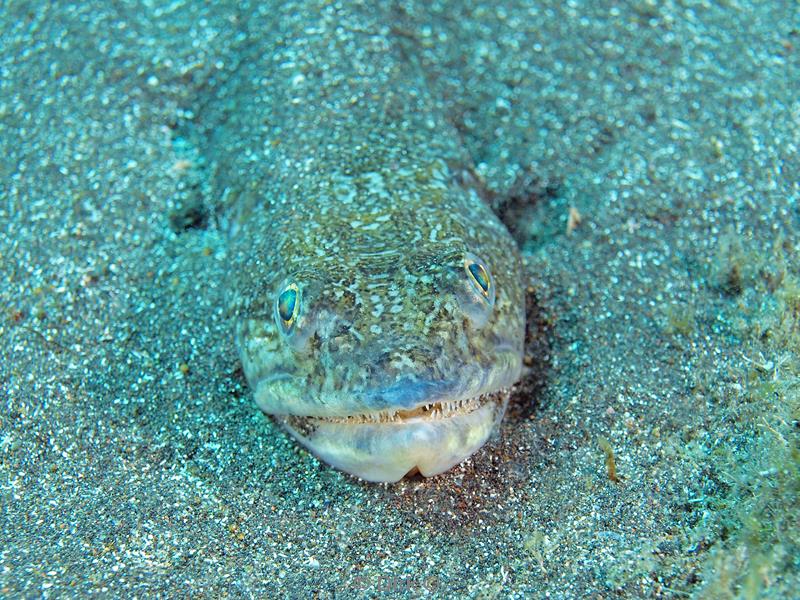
(378, 305)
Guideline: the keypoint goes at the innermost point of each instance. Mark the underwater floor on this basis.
(644, 155)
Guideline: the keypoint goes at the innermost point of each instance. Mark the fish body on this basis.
(377, 300)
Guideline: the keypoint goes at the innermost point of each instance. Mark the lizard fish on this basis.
(378, 303)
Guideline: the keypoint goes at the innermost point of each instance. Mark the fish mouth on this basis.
(386, 445)
(442, 409)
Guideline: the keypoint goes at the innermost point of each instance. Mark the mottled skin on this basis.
(346, 182)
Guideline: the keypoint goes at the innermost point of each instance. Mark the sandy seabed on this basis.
(664, 328)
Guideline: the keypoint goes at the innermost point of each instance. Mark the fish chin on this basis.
(388, 445)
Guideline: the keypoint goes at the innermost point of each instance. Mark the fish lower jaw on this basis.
(387, 445)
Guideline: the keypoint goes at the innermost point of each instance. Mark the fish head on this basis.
(389, 349)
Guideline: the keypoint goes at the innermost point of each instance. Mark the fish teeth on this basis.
(430, 410)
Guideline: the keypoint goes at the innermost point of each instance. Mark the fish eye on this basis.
(288, 305)
(479, 276)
